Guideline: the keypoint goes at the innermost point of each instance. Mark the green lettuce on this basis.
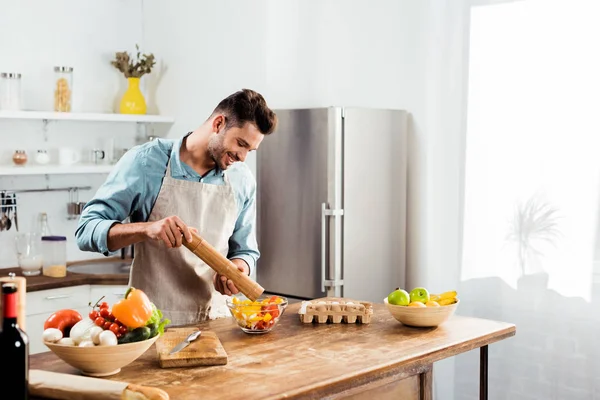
(156, 323)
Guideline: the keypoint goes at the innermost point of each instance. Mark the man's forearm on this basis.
(123, 235)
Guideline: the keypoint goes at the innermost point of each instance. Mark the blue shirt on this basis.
(133, 186)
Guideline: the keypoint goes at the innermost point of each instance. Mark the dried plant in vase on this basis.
(133, 101)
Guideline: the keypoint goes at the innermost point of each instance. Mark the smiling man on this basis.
(169, 188)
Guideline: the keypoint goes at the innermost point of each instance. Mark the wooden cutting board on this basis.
(206, 350)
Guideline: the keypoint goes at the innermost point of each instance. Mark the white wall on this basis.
(34, 37)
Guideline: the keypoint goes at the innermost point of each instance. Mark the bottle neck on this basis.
(9, 308)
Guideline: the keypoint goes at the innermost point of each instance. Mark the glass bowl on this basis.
(259, 316)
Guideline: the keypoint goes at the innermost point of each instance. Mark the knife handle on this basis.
(207, 253)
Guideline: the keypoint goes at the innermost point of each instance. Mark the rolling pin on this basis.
(207, 253)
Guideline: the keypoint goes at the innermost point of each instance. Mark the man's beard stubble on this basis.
(216, 150)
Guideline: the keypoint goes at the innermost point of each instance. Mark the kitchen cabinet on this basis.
(111, 293)
(41, 304)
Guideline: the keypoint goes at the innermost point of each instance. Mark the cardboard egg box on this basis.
(336, 310)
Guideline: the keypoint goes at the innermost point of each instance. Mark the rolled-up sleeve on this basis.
(242, 243)
(115, 200)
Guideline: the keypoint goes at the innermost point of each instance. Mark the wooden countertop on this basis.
(41, 282)
(298, 360)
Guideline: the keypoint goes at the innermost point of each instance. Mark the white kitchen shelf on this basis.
(55, 169)
(97, 117)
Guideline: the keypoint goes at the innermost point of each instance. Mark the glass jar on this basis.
(20, 157)
(54, 250)
(10, 91)
(63, 89)
(29, 253)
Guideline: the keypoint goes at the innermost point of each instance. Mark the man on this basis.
(170, 188)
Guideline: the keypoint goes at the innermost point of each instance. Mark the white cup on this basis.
(68, 156)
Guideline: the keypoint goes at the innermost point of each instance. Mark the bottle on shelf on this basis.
(43, 228)
(14, 347)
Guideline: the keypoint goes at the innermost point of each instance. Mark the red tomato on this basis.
(63, 320)
(106, 325)
(111, 316)
(99, 321)
(104, 313)
(272, 309)
(114, 328)
(260, 325)
(103, 305)
(93, 314)
(123, 329)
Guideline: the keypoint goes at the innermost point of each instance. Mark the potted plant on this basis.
(133, 101)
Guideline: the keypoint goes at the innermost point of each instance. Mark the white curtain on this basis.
(515, 228)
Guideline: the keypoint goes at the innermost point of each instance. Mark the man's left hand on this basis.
(225, 286)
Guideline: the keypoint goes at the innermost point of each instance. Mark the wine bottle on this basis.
(14, 348)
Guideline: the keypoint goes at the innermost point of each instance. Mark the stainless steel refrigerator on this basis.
(331, 194)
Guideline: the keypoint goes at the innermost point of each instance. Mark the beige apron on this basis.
(177, 281)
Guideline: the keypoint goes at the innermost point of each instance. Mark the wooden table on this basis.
(377, 361)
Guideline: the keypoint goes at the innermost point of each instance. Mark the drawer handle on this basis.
(61, 296)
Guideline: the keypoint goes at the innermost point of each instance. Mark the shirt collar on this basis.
(179, 169)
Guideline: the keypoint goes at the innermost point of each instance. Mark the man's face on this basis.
(228, 146)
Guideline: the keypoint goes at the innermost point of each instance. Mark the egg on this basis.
(95, 334)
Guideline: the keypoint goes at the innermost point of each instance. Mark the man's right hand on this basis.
(170, 230)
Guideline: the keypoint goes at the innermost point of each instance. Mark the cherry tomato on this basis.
(119, 335)
(114, 328)
(99, 321)
(93, 315)
(123, 329)
(103, 305)
(106, 325)
(104, 313)
(111, 316)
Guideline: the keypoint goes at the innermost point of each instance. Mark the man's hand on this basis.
(225, 286)
(170, 230)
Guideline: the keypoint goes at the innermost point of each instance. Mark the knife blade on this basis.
(15, 211)
(182, 345)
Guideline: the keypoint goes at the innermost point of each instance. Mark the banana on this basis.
(448, 295)
(447, 302)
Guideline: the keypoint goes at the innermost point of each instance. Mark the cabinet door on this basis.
(111, 293)
(41, 304)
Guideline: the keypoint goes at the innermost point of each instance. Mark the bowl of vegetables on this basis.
(258, 316)
(108, 338)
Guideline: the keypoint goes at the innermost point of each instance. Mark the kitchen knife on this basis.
(191, 337)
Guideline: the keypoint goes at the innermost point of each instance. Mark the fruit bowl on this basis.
(259, 316)
(425, 317)
(101, 360)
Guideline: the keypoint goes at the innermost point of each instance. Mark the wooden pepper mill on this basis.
(207, 253)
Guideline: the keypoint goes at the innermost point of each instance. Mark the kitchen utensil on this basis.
(9, 203)
(207, 253)
(54, 385)
(3, 208)
(205, 350)
(192, 336)
(421, 316)
(336, 310)
(15, 212)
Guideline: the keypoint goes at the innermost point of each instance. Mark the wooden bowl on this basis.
(101, 360)
(424, 317)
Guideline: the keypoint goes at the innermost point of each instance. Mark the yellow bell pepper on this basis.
(134, 310)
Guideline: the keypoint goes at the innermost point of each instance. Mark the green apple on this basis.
(399, 297)
(419, 294)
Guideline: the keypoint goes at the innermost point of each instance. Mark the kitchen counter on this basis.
(381, 360)
(41, 282)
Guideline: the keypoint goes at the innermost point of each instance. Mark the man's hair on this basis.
(246, 106)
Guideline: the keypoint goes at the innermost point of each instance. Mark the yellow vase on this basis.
(133, 101)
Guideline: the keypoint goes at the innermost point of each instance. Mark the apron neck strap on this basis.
(168, 171)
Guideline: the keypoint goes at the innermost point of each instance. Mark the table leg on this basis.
(483, 373)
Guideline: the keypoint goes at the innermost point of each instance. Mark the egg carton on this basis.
(335, 310)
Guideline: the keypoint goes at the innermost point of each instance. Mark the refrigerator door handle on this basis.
(325, 212)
